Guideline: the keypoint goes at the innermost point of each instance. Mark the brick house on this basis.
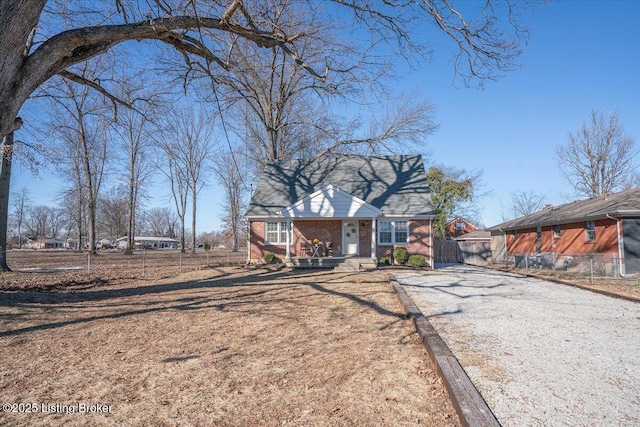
(601, 225)
(458, 227)
(342, 206)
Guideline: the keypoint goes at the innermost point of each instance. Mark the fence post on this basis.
(526, 261)
(180, 262)
(553, 261)
(591, 269)
(144, 258)
(208, 259)
(89, 264)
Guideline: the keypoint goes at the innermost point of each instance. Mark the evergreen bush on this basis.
(417, 261)
(401, 255)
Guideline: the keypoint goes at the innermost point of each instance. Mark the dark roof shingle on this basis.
(624, 203)
(395, 184)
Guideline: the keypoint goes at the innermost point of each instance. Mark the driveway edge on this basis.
(604, 292)
(471, 408)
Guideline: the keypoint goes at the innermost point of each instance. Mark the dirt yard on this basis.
(217, 347)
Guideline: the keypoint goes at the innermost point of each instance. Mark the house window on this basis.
(590, 231)
(557, 232)
(402, 231)
(275, 233)
(385, 232)
(392, 232)
(539, 232)
(459, 226)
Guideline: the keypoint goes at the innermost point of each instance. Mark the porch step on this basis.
(339, 264)
(349, 266)
(355, 265)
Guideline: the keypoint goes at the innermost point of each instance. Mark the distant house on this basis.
(354, 206)
(147, 242)
(457, 227)
(43, 244)
(600, 225)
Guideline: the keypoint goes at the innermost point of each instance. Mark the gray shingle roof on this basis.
(475, 235)
(625, 203)
(395, 184)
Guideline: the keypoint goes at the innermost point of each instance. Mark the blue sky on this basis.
(582, 55)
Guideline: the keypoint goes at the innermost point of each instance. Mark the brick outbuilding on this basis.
(608, 225)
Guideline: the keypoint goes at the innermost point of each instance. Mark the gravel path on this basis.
(541, 354)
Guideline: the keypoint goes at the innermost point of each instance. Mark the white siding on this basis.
(330, 202)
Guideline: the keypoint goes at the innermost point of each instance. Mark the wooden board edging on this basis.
(471, 408)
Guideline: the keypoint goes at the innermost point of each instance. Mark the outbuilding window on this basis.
(557, 232)
(590, 231)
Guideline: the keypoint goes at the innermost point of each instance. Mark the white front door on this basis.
(350, 238)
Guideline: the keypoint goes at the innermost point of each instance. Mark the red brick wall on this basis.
(303, 231)
(419, 238)
(419, 242)
(572, 239)
(258, 248)
(364, 230)
(331, 231)
(325, 231)
(451, 231)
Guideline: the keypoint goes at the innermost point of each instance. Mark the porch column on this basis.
(287, 255)
(373, 240)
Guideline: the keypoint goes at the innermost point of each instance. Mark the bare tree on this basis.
(21, 204)
(188, 144)
(113, 213)
(230, 174)
(599, 157)
(281, 111)
(178, 183)
(37, 43)
(632, 181)
(56, 222)
(37, 221)
(133, 130)
(162, 222)
(79, 121)
(525, 203)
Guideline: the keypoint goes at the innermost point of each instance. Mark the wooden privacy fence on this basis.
(468, 252)
(446, 251)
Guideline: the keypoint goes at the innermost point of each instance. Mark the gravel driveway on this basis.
(540, 353)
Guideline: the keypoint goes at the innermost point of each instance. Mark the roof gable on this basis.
(396, 185)
(330, 202)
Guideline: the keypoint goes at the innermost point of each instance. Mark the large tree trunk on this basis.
(5, 185)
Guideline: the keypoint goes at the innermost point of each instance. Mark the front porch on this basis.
(340, 263)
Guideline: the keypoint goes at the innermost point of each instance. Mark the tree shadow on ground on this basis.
(253, 289)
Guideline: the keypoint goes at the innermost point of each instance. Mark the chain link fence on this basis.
(49, 267)
(580, 265)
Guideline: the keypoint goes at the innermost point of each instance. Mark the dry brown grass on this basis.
(220, 347)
